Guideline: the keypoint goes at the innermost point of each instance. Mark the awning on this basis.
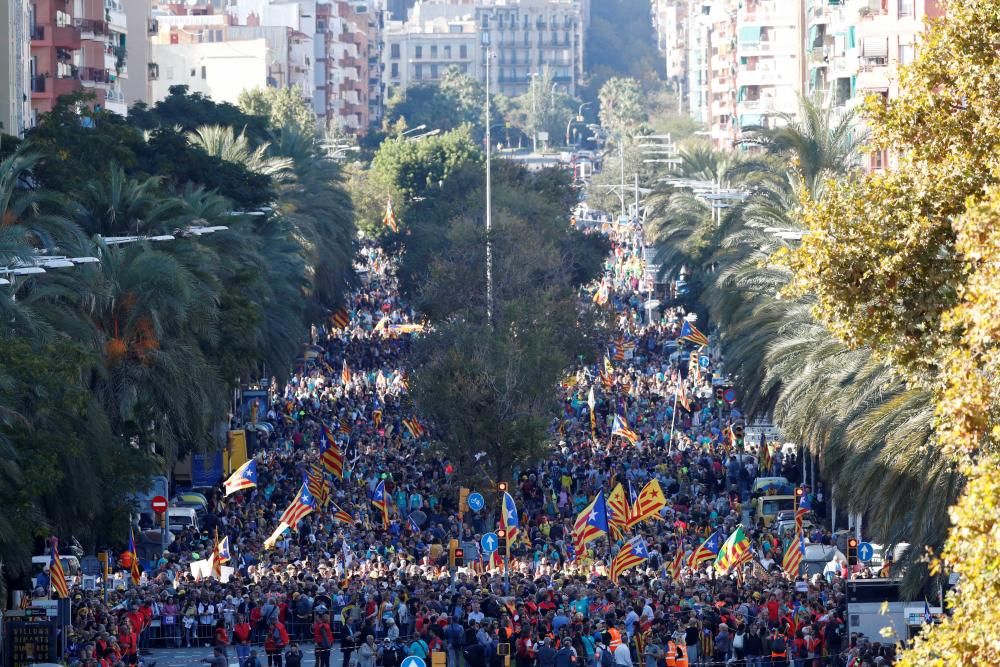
(751, 120)
(750, 34)
(874, 47)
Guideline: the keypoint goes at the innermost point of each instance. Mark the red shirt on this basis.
(242, 632)
(772, 610)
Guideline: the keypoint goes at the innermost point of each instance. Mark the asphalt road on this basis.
(191, 657)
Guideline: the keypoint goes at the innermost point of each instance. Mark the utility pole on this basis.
(489, 200)
(621, 163)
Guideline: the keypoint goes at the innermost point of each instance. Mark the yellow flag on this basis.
(648, 504)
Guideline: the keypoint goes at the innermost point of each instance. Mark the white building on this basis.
(221, 70)
(424, 47)
(15, 74)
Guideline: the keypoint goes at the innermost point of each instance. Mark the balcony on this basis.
(152, 71)
(48, 87)
(91, 27)
(37, 33)
(95, 75)
(65, 37)
(37, 84)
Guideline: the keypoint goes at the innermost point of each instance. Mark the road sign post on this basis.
(476, 502)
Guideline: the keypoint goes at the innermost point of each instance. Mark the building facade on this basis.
(423, 48)
(15, 76)
(526, 37)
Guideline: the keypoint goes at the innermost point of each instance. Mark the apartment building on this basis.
(670, 21)
(770, 73)
(888, 34)
(722, 70)
(423, 48)
(77, 46)
(529, 36)
(15, 80)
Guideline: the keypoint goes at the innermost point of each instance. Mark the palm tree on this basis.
(820, 143)
(871, 433)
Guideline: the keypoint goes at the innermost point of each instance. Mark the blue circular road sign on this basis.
(729, 396)
(476, 502)
(413, 661)
(704, 361)
(490, 542)
(865, 551)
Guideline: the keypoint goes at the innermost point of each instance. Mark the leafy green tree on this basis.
(544, 108)
(283, 107)
(457, 99)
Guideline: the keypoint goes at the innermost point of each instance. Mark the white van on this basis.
(70, 565)
(179, 518)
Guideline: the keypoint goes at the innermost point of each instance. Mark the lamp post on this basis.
(534, 113)
(489, 200)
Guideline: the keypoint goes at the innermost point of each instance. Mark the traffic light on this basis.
(719, 395)
(852, 551)
(738, 433)
(502, 487)
(463, 499)
(453, 550)
(459, 557)
(502, 539)
(799, 492)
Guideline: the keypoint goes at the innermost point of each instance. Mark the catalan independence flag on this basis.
(803, 508)
(318, 485)
(508, 516)
(618, 511)
(380, 501)
(591, 523)
(134, 570)
(331, 454)
(339, 514)
(732, 551)
(345, 373)
(414, 427)
(690, 333)
(621, 428)
(706, 551)
(389, 219)
(57, 576)
(648, 504)
(245, 477)
(633, 553)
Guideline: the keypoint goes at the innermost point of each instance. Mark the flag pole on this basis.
(673, 420)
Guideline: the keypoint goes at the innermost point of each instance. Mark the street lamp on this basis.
(422, 126)
(425, 134)
(534, 113)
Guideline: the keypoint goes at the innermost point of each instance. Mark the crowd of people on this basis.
(361, 593)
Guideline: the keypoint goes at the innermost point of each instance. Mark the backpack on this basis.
(778, 645)
(607, 660)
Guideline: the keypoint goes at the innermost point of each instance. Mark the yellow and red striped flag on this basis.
(633, 553)
(57, 576)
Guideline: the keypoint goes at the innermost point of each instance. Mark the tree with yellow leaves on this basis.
(908, 262)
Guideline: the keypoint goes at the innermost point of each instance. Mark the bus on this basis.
(879, 609)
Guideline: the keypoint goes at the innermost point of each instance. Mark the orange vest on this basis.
(671, 654)
(616, 639)
(682, 657)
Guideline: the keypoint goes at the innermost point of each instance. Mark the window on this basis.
(434, 71)
(418, 52)
(463, 51)
(418, 72)
(905, 7)
(434, 52)
(876, 161)
(447, 51)
(394, 51)
(204, 72)
(394, 71)
(905, 54)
